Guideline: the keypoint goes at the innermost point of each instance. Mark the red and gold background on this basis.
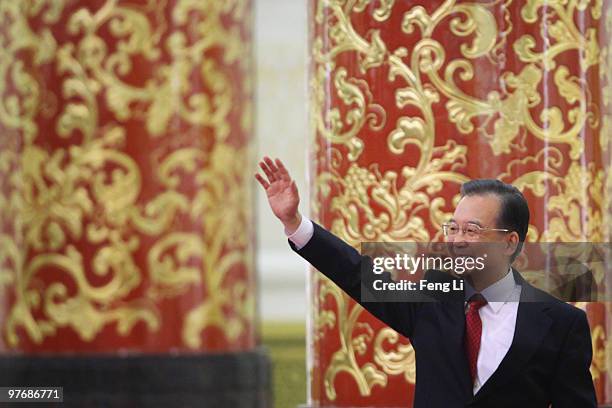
(410, 99)
(125, 211)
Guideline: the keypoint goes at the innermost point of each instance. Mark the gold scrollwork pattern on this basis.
(364, 195)
(126, 186)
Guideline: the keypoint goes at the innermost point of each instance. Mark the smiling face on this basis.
(482, 210)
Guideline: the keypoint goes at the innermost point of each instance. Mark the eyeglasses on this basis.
(469, 230)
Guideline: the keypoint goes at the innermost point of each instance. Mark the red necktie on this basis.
(473, 331)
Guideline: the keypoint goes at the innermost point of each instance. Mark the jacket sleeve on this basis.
(341, 263)
(573, 385)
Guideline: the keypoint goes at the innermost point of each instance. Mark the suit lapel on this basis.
(532, 324)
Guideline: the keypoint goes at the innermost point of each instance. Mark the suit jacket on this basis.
(547, 363)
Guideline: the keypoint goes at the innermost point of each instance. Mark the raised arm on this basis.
(326, 252)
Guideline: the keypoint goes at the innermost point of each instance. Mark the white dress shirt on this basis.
(302, 234)
(498, 322)
(498, 316)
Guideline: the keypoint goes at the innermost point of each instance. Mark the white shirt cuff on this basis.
(302, 234)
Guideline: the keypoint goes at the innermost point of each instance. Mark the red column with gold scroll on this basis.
(125, 212)
(410, 99)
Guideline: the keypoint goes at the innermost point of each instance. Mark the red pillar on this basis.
(126, 216)
(409, 100)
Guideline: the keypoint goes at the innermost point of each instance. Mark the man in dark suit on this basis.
(504, 344)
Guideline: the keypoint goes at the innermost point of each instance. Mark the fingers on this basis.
(282, 170)
(261, 180)
(271, 165)
(266, 169)
(274, 170)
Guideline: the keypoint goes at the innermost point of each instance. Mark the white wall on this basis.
(281, 131)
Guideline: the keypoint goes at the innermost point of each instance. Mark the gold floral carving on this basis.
(345, 360)
(90, 192)
(601, 349)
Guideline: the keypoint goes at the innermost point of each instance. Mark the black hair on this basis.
(514, 211)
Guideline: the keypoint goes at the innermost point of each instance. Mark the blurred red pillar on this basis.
(409, 100)
(126, 221)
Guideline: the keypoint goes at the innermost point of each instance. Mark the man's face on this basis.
(483, 211)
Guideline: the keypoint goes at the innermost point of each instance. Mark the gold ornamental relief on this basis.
(165, 93)
(403, 197)
(601, 349)
(337, 16)
(605, 138)
(20, 101)
(90, 192)
(222, 192)
(575, 202)
(401, 361)
(355, 94)
(510, 107)
(427, 55)
(561, 27)
(352, 344)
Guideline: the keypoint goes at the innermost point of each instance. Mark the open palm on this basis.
(280, 189)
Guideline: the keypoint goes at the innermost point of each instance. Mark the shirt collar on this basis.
(500, 292)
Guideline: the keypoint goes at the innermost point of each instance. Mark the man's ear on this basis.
(511, 243)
